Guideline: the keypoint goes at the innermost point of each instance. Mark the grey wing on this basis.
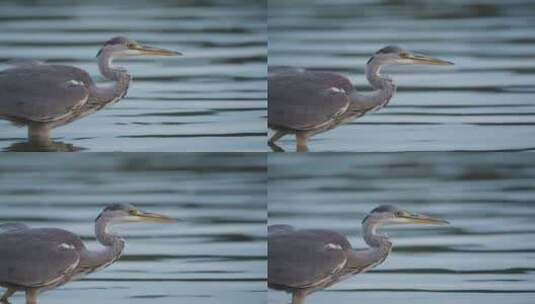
(304, 258)
(37, 257)
(303, 100)
(42, 93)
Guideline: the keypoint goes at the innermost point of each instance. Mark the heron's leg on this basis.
(298, 297)
(275, 148)
(271, 142)
(278, 135)
(38, 133)
(302, 143)
(31, 296)
(5, 298)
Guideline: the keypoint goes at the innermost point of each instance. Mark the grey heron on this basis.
(305, 102)
(305, 261)
(33, 260)
(46, 96)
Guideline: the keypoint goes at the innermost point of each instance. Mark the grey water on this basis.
(484, 103)
(486, 255)
(213, 98)
(216, 253)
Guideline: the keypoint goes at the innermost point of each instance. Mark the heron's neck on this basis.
(373, 238)
(377, 80)
(109, 71)
(364, 260)
(113, 244)
(383, 85)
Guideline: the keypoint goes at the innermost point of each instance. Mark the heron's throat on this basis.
(113, 247)
(103, 235)
(372, 237)
(384, 89)
(106, 94)
(108, 69)
(377, 80)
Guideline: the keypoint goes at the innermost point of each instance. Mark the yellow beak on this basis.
(422, 59)
(424, 219)
(155, 218)
(152, 51)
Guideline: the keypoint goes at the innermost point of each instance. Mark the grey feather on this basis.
(23, 253)
(302, 100)
(303, 258)
(385, 208)
(42, 93)
(117, 40)
(391, 49)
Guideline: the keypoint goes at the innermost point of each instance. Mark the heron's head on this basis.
(126, 213)
(396, 55)
(123, 47)
(391, 215)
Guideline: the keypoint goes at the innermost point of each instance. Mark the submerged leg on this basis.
(31, 296)
(302, 143)
(5, 298)
(298, 297)
(38, 133)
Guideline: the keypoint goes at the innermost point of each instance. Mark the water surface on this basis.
(211, 99)
(485, 102)
(487, 255)
(215, 254)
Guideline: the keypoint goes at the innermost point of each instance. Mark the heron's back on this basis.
(302, 100)
(304, 259)
(42, 93)
(37, 257)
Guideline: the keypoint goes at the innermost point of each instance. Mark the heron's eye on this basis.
(403, 55)
(400, 213)
(130, 45)
(133, 212)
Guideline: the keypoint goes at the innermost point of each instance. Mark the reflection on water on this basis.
(486, 256)
(215, 254)
(51, 146)
(211, 99)
(483, 103)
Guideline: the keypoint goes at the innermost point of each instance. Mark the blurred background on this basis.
(215, 254)
(211, 99)
(487, 255)
(485, 102)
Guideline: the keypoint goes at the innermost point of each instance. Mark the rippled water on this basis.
(216, 254)
(487, 255)
(211, 99)
(483, 103)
